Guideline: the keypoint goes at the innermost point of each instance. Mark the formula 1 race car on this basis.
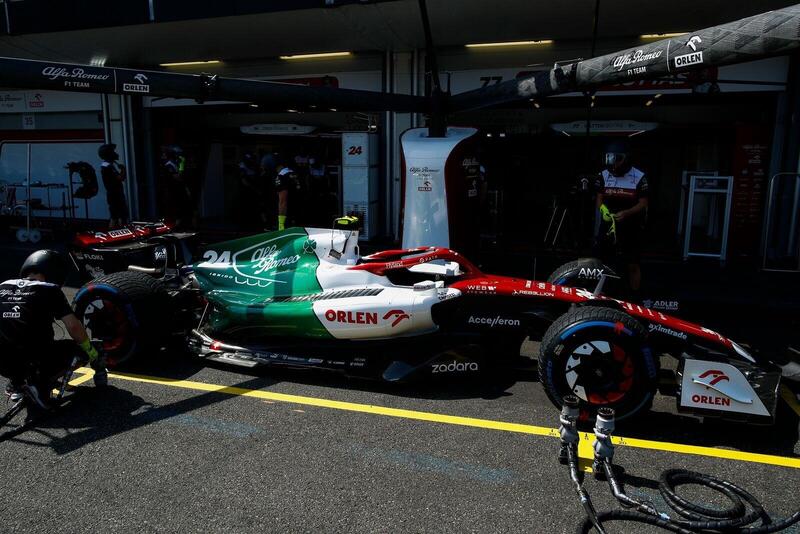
(304, 297)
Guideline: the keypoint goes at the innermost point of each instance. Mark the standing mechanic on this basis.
(622, 199)
(30, 357)
(287, 186)
(113, 175)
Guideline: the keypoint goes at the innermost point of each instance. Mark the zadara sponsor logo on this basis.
(661, 329)
(493, 322)
(626, 60)
(454, 367)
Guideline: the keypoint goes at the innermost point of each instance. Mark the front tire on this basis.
(601, 356)
(127, 310)
(584, 273)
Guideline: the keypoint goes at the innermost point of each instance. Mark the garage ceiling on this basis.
(375, 26)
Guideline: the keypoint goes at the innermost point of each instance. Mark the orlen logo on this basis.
(349, 317)
(398, 315)
(13, 314)
(717, 377)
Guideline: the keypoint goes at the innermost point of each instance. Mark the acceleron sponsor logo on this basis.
(492, 322)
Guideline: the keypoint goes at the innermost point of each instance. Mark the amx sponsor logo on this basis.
(686, 60)
(493, 322)
(626, 60)
(592, 273)
(454, 367)
(661, 329)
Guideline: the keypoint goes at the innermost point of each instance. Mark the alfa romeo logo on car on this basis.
(264, 261)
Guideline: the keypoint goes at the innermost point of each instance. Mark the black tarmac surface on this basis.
(142, 457)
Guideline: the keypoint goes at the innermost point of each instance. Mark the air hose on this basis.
(745, 513)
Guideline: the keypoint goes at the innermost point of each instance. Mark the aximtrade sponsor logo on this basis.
(661, 329)
(493, 322)
(455, 367)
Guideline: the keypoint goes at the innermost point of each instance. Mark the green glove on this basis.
(89, 349)
(281, 222)
(609, 218)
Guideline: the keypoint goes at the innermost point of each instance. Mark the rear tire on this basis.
(599, 355)
(129, 311)
(584, 273)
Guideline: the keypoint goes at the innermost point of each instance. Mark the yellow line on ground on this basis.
(85, 377)
(790, 398)
(490, 424)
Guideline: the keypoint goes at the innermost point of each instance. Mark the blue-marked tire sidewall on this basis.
(566, 335)
(91, 293)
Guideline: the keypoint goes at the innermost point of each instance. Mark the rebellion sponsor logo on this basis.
(531, 293)
(141, 87)
(455, 367)
(710, 400)
(686, 60)
(661, 329)
(631, 60)
(493, 322)
(13, 314)
(349, 317)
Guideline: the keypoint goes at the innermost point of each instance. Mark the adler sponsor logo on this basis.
(349, 317)
(661, 329)
(455, 367)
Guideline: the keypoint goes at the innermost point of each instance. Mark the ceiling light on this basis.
(657, 96)
(661, 35)
(536, 105)
(321, 55)
(648, 103)
(190, 63)
(510, 43)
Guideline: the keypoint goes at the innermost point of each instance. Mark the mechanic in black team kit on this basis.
(622, 210)
(287, 185)
(29, 356)
(113, 175)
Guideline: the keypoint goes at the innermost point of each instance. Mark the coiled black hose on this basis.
(695, 518)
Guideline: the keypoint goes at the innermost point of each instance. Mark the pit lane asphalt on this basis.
(142, 457)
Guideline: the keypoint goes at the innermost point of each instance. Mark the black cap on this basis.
(108, 152)
(47, 263)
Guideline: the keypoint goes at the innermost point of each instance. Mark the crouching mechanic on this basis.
(30, 357)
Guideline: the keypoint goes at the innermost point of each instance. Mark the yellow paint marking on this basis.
(586, 452)
(87, 375)
(790, 398)
(697, 450)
